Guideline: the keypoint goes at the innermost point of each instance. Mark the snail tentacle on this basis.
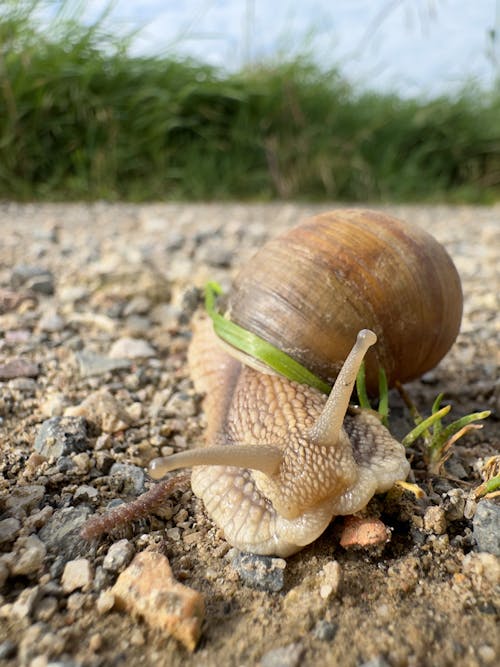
(327, 427)
(265, 458)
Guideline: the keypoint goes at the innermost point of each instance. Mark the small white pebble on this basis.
(77, 574)
(174, 534)
(105, 602)
(435, 520)
(137, 638)
(119, 554)
(487, 654)
(330, 579)
(95, 642)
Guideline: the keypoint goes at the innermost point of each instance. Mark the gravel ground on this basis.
(95, 304)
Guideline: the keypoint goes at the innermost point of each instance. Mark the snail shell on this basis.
(309, 291)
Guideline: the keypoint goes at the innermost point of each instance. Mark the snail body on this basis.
(284, 459)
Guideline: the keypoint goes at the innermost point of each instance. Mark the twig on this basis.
(136, 509)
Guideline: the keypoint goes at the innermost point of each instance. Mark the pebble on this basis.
(264, 573)
(8, 650)
(46, 608)
(51, 322)
(119, 554)
(26, 386)
(61, 534)
(72, 293)
(487, 654)
(4, 572)
(91, 364)
(148, 589)
(131, 348)
(22, 499)
(330, 578)
(33, 278)
(30, 553)
(358, 532)
(435, 520)
(486, 527)
(325, 631)
(77, 574)
(60, 436)
(105, 602)
(138, 305)
(180, 405)
(85, 493)
(18, 367)
(454, 504)
(378, 661)
(104, 410)
(214, 254)
(52, 405)
(39, 519)
(9, 529)
(132, 476)
(136, 325)
(286, 656)
(26, 601)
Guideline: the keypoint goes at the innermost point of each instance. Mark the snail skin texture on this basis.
(282, 458)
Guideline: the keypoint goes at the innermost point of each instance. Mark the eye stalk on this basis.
(327, 428)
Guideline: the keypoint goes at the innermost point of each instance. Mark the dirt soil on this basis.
(99, 297)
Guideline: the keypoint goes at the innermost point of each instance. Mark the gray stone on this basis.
(30, 554)
(26, 601)
(9, 529)
(26, 386)
(325, 631)
(8, 650)
(98, 364)
(378, 661)
(85, 492)
(34, 278)
(180, 405)
(119, 555)
(264, 573)
(61, 534)
(18, 367)
(486, 526)
(51, 322)
(24, 498)
(286, 656)
(59, 436)
(133, 476)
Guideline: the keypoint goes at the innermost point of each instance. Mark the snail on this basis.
(284, 459)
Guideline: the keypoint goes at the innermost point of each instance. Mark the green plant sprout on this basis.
(491, 477)
(438, 439)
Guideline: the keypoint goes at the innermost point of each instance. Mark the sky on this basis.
(414, 47)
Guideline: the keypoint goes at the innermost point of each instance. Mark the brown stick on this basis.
(136, 509)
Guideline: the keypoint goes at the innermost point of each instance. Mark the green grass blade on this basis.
(361, 388)
(257, 347)
(493, 484)
(383, 392)
(424, 425)
(435, 407)
(448, 432)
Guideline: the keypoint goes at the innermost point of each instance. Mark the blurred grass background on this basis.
(82, 119)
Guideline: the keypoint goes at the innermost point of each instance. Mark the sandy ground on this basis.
(99, 297)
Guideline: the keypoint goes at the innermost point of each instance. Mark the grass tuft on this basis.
(82, 118)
